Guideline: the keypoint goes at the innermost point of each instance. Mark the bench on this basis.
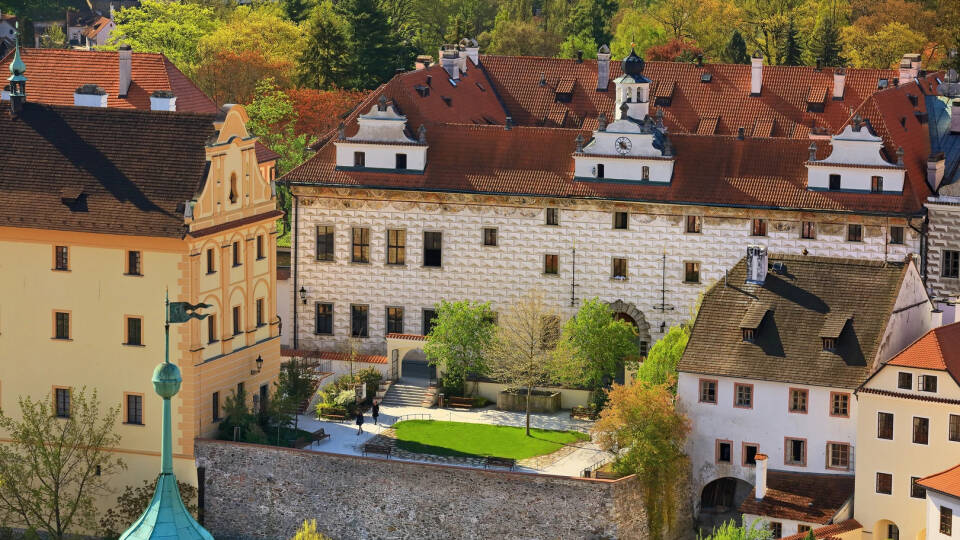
(316, 436)
(583, 413)
(373, 448)
(460, 402)
(507, 463)
(334, 413)
(604, 475)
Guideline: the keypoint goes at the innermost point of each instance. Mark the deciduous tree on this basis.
(232, 77)
(731, 531)
(636, 29)
(320, 111)
(460, 333)
(54, 38)
(298, 10)
(675, 50)
(660, 366)
(171, 28)
(881, 48)
(131, 503)
(308, 531)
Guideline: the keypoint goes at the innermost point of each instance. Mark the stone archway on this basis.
(628, 311)
(406, 350)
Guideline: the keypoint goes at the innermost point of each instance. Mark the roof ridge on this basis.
(846, 261)
(121, 111)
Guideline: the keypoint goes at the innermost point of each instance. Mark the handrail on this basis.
(412, 416)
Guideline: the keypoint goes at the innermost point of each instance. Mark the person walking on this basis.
(359, 422)
(375, 412)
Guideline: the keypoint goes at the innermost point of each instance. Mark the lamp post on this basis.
(259, 365)
(303, 295)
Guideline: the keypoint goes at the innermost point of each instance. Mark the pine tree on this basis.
(375, 50)
(323, 63)
(792, 51)
(736, 50)
(826, 43)
(298, 10)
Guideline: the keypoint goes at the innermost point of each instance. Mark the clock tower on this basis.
(633, 89)
(627, 150)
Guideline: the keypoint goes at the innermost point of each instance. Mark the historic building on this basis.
(104, 212)
(639, 183)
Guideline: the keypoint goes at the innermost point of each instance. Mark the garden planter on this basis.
(540, 401)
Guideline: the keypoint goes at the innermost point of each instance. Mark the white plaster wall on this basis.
(855, 178)
(788, 527)
(569, 398)
(934, 502)
(766, 424)
(381, 156)
(911, 318)
(661, 170)
(502, 274)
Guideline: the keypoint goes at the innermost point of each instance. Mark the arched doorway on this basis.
(626, 311)
(415, 370)
(886, 530)
(720, 502)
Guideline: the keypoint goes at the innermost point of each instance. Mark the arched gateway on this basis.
(627, 311)
(405, 354)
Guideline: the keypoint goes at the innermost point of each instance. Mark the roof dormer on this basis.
(753, 320)
(855, 164)
(626, 150)
(382, 143)
(833, 328)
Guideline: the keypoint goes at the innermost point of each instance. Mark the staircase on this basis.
(404, 395)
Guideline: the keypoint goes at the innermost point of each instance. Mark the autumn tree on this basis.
(642, 427)
(320, 111)
(54, 38)
(232, 77)
(171, 28)
(729, 530)
(132, 502)
(57, 463)
(675, 50)
(459, 335)
(881, 48)
(308, 531)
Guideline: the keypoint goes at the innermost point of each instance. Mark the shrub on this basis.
(308, 531)
(480, 401)
(371, 377)
(345, 399)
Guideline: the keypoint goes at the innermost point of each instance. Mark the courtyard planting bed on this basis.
(467, 439)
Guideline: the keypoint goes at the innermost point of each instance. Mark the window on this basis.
(829, 343)
(394, 320)
(838, 456)
(905, 380)
(236, 320)
(211, 267)
(893, 532)
(776, 528)
(212, 329)
(691, 272)
(550, 264)
(325, 243)
(694, 224)
(854, 232)
(236, 253)
(951, 264)
(233, 188)
(645, 173)
(359, 159)
(621, 220)
(599, 169)
(61, 325)
(708, 391)
(796, 452)
(876, 184)
(401, 162)
(946, 521)
(432, 248)
(324, 319)
(808, 230)
(840, 404)
(798, 400)
(396, 246)
(743, 396)
(216, 406)
(429, 319)
(802, 528)
(358, 320)
(884, 483)
(553, 216)
(259, 247)
(134, 331)
(921, 430)
(749, 334)
(62, 398)
(489, 237)
(885, 425)
(133, 263)
(135, 409)
(954, 430)
(259, 310)
(750, 454)
(896, 235)
(834, 182)
(361, 245)
(917, 491)
(240, 389)
(619, 268)
(927, 383)
(61, 258)
(759, 227)
(724, 452)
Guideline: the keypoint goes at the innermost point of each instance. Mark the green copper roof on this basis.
(17, 67)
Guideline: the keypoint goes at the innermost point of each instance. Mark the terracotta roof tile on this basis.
(707, 125)
(332, 355)
(938, 349)
(947, 481)
(409, 337)
(264, 153)
(829, 532)
(812, 498)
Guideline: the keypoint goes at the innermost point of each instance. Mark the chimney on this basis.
(423, 62)
(909, 66)
(163, 100)
(125, 59)
(90, 95)
(450, 61)
(603, 67)
(935, 167)
(839, 79)
(756, 264)
(760, 482)
(472, 49)
(756, 74)
(579, 57)
(508, 123)
(955, 117)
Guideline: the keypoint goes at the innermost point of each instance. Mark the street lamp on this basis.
(303, 294)
(259, 365)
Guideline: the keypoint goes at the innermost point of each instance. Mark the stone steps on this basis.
(404, 395)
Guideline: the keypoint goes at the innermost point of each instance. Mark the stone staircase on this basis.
(404, 395)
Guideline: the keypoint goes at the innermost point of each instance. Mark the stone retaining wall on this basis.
(254, 492)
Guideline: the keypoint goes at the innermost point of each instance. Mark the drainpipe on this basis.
(296, 268)
(923, 232)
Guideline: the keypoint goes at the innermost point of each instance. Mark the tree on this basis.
(308, 531)
(591, 19)
(660, 366)
(54, 38)
(460, 333)
(522, 353)
(521, 38)
(232, 77)
(675, 50)
(171, 28)
(882, 48)
(132, 502)
(736, 50)
(54, 467)
(731, 531)
(636, 29)
(238, 423)
(642, 427)
(298, 10)
(596, 345)
(678, 16)
(262, 28)
(792, 50)
(320, 111)
(825, 44)
(324, 61)
(294, 385)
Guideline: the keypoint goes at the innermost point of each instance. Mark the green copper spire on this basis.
(17, 67)
(166, 517)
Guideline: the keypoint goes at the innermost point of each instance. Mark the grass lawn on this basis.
(465, 439)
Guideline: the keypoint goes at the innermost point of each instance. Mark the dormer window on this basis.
(876, 184)
(829, 344)
(752, 320)
(749, 334)
(833, 328)
(359, 159)
(834, 182)
(401, 162)
(599, 170)
(233, 188)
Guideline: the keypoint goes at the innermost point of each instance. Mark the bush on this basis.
(346, 399)
(371, 377)
(480, 401)
(308, 531)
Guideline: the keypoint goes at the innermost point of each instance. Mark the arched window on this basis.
(233, 188)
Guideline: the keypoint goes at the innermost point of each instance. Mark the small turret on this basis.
(18, 81)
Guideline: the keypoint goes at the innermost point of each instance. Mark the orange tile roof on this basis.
(94, 28)
(812, 498)
(333, 355)
(829, 532)
(947, 481)
(411, 337)
(938, 349)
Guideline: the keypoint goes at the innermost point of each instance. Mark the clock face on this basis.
(623, 145)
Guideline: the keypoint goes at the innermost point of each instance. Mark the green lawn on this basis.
(465, 439)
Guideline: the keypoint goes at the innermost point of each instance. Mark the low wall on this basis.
(569, 398)
(540, 401)
(254, 492)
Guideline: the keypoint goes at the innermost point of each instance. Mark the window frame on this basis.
(776, 528)
(548, 268)
(808, 230)
(426, 322)
(57, 411)
(396, 247)
(127, 319)
(953, 428)
(856, 237)
(946, 520)
(758, 227)
(644, 173)
(916, 490)
(925, 432)
(691, 268)
(329, 253)
(212, 336)
(56, 325)
(694, 224)
(617, 221)
(363, 257)
(806, 400)
(258, 311)
(61, 254)
(215, 406)
(211, 261)
(880, 434)
(489, 237)
(439, 250)
(743, 449)
(134, 263)
(736, 395)
(876, 184)
(237, 259)
(833, 396)
(619, 274)
(830, 455)
(949, 263)
(400, 161)
(316, 318)
(901, 378)
(888, 478)
(259, 245)
(922, 383)
(899, 238)
(788, 451)
(552, 217)
(717, 453)
(830, 182)
(356, 309)
(393, 320)
(359, 159)
(716, 391)
(127, 409)
(236, 316)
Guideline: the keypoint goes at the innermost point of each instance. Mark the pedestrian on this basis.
(375, 411)
(359, 422)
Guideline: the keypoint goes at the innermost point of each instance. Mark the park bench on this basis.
(316, 436)
(492, 461)
(373, 448)
(460, 402)
(334, 413)
(583, 413)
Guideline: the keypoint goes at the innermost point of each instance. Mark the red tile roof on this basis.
(947, 481)
(331, 355)
(829, 532)
(938, 349)
(264, 153)
(410, 337)
(812, 498)
(96, 26)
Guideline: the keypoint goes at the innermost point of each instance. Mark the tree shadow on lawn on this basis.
(422, 448)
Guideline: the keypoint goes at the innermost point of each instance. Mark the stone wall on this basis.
(254, 492)
(944, 234)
